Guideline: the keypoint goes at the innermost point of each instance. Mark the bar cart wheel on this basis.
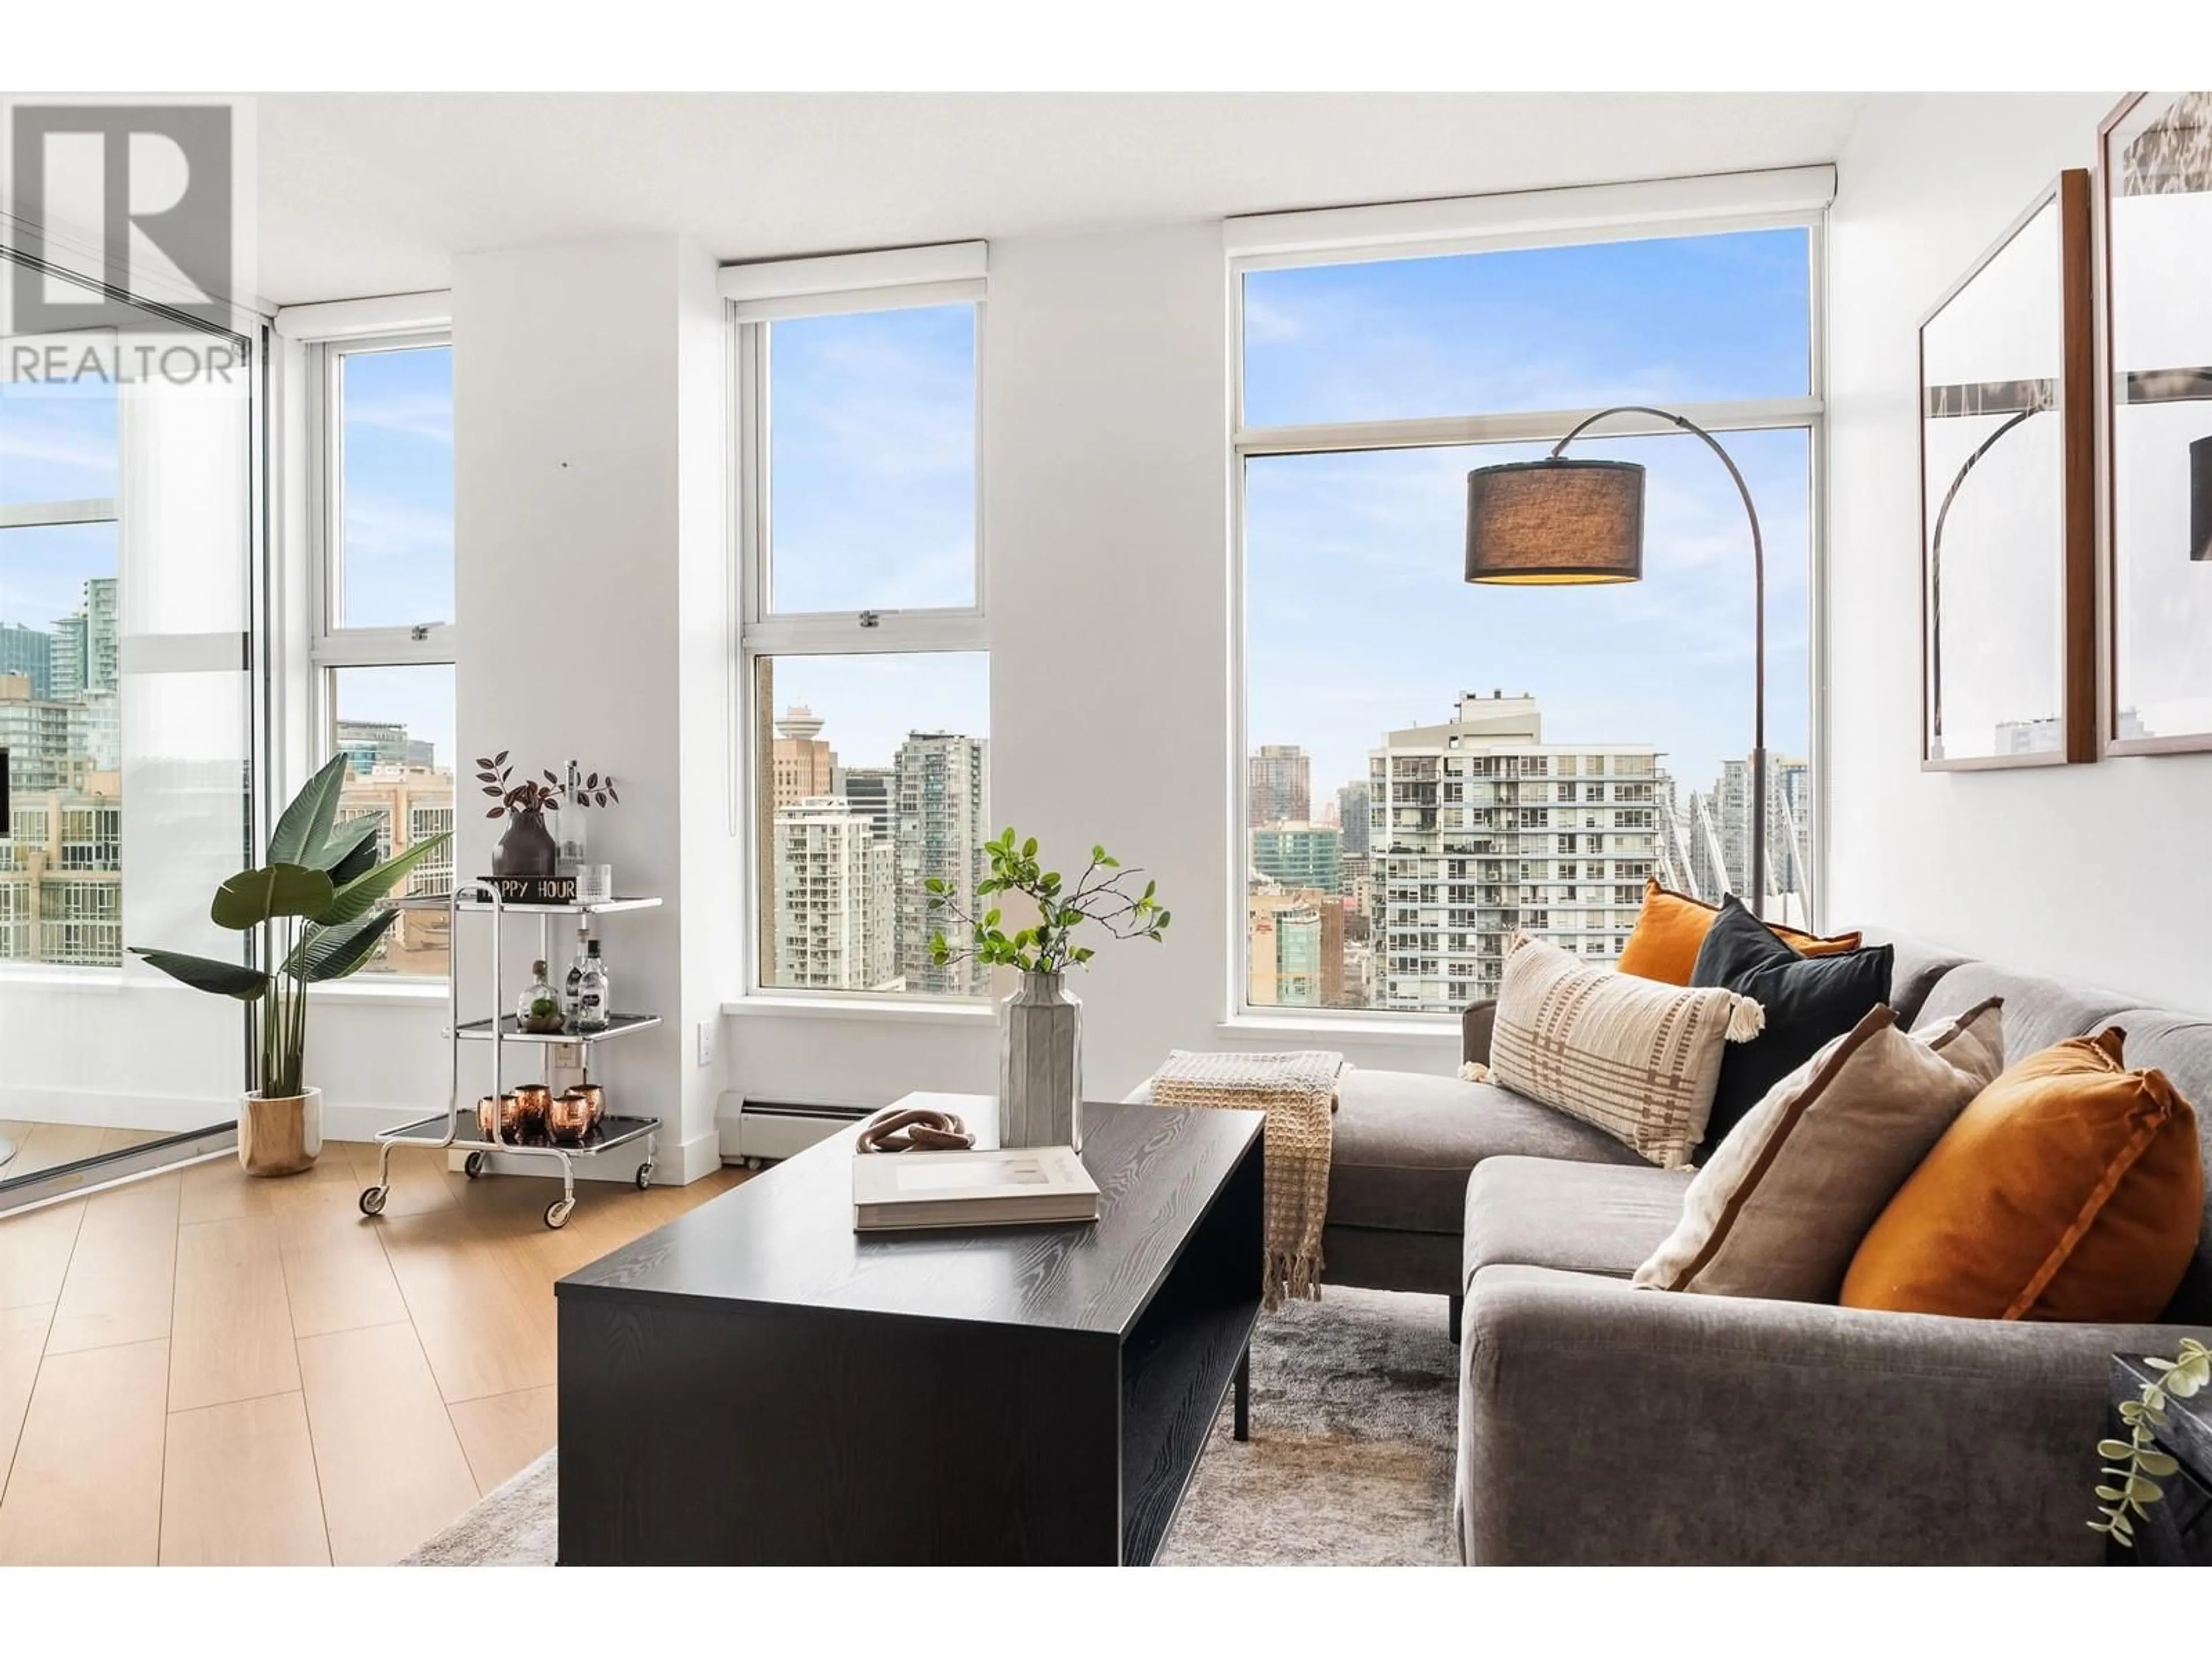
(644, 1175)
(472, 1166)
(556, 1212)
(371, 1200)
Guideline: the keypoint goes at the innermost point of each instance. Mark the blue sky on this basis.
(398, 508)
(56, 444)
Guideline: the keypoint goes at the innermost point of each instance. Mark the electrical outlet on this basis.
(707, 1042)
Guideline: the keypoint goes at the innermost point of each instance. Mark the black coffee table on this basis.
(757, 1383)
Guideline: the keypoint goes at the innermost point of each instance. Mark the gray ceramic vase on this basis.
(1040, 1065)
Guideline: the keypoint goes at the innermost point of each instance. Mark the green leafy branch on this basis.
(1099, 896)
(2136, 1465)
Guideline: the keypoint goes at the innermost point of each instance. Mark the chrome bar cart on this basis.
(458, 1125)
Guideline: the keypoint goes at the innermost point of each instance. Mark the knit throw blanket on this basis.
(1298, 1091)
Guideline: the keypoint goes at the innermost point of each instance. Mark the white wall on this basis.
(2092, 871)
(590, 547)
(1106, 515)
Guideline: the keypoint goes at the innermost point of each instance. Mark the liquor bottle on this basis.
(593, 996)
(573, 992)
(537, 1010)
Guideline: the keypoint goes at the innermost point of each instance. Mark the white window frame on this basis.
(323, 337)
(755, 296)
(1782, 198)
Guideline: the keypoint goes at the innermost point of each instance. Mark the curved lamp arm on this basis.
(1758, 870)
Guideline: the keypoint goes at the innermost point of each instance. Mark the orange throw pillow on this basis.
(1672, 925)
(2071, 1188)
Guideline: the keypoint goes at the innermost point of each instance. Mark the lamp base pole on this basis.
(1756, 875)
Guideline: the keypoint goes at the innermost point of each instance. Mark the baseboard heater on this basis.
(769, 1129)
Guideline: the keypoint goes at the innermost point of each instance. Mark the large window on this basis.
(60, 688)
(1431, 766)
(866, 667)
(383, 601)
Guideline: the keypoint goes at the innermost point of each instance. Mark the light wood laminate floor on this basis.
(204, 1369)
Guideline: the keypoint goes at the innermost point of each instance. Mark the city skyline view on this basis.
(1358, 555)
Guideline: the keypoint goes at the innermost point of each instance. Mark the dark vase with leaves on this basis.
(528, 847)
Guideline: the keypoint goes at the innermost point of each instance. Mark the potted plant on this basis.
(1041, 1026)
(316, 909)
(528, 848)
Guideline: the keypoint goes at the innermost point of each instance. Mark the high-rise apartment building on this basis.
(61, 881)
(835, 906)
(86, 653)
(803, 767)
(367, 745)
(412, 802)
(1482, 829)
(29, 652)
(1353, 805)
(1789, 835)
(1294, 955)
(1281, 784)
(57, 743)
(943, 819)
(872, 791)
(1299, 855)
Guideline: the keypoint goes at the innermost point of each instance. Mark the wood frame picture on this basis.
(2153, 345)
(2008, 349)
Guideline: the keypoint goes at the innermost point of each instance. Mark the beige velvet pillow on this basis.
(1631, 1056)
(1781, 1207)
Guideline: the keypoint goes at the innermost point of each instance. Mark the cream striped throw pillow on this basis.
(1631, 1056)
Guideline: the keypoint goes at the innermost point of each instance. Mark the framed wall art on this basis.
(2008, 495)
(2154, 235)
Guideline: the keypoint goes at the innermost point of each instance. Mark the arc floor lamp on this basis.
(1558, 521)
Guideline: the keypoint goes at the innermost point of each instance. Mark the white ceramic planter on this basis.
(1040, 1065)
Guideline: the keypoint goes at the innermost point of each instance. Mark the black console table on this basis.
(757, 1383)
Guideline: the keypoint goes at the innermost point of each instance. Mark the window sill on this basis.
(771, 1006)
(1445, 1032)
(408, 992)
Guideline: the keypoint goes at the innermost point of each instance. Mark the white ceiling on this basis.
(375, 193)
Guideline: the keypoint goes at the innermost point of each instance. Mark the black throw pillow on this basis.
(1809, 1001)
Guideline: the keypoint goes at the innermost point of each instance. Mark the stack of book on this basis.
(1027, 1186)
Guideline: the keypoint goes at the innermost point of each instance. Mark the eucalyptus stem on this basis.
(2135, 1465)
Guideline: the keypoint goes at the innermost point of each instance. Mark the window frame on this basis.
(1795, 198)
(755, 298)
(331, 648)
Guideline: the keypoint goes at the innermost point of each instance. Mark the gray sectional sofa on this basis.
(1600, 1423)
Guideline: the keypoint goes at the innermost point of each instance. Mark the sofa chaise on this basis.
(1601, 1423)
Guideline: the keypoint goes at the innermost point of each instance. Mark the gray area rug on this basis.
(1354, 1407)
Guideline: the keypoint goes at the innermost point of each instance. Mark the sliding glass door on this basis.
(128, 544)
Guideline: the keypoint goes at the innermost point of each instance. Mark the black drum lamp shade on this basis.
(1558, 521)
(1532, 523)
